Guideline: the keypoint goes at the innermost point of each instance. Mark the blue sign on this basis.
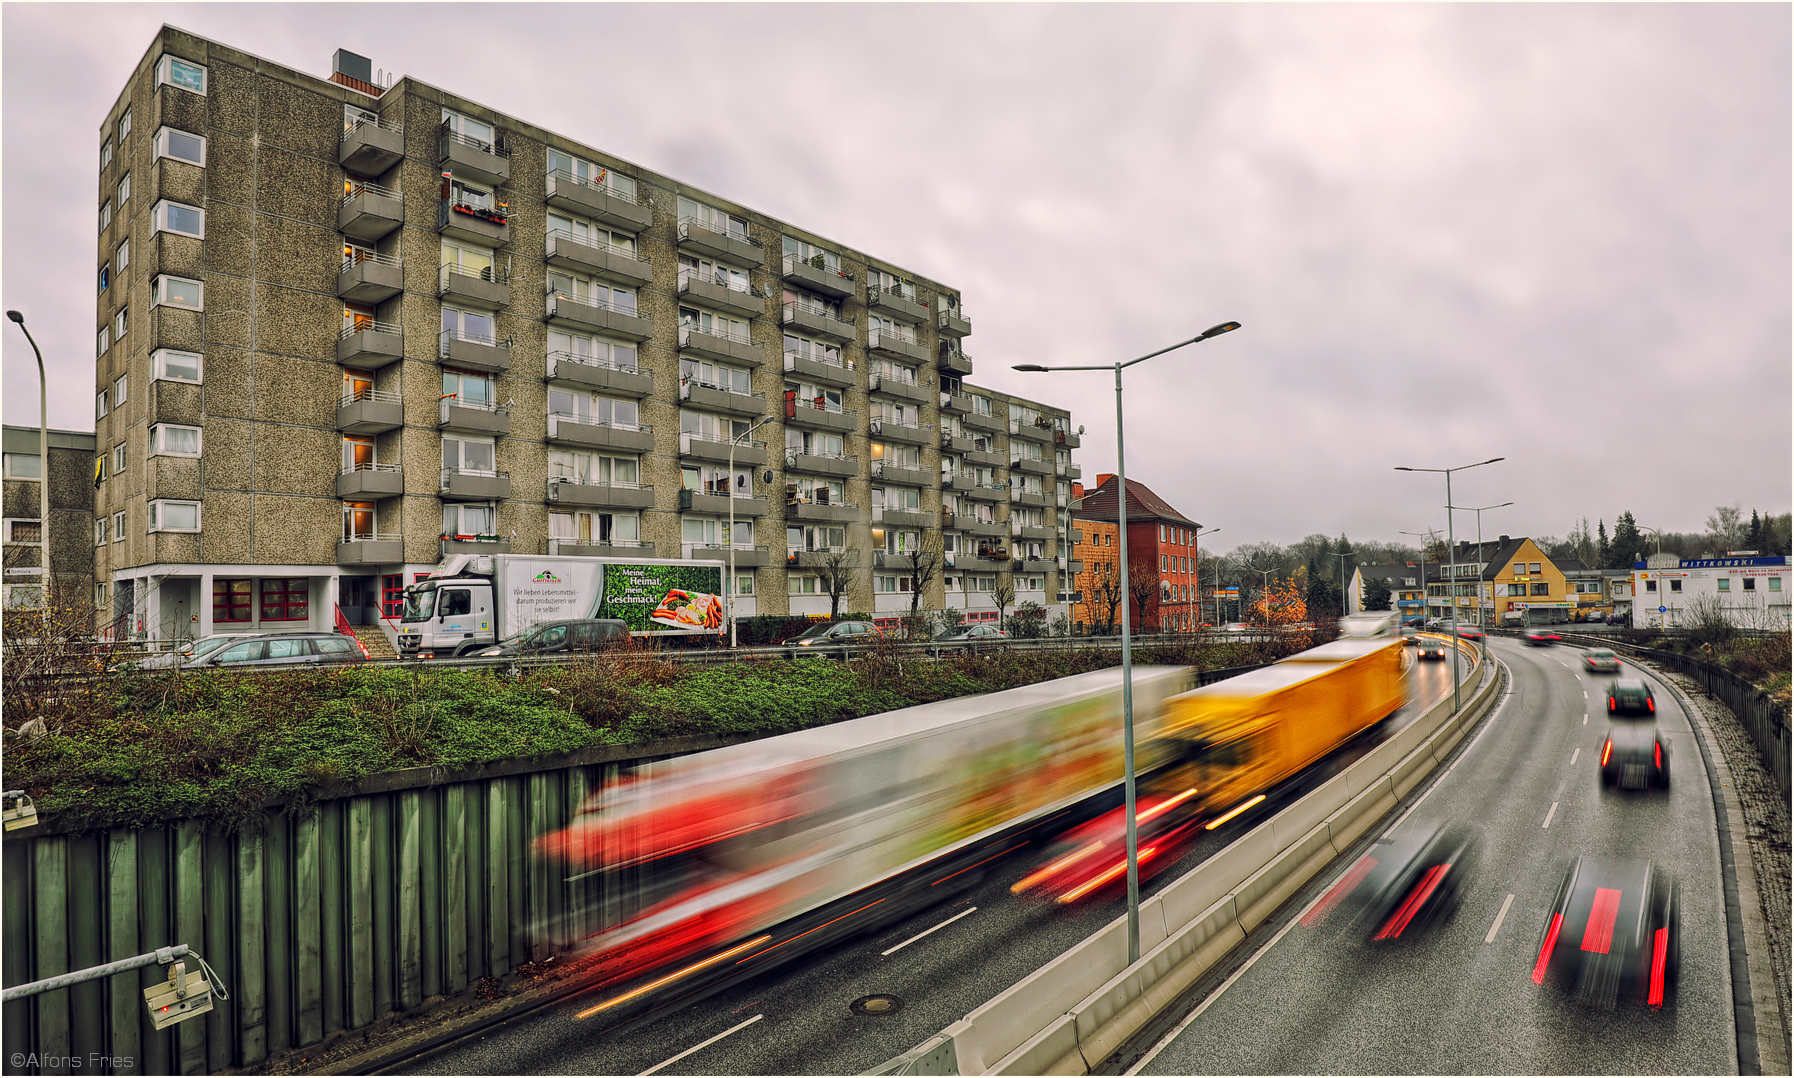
(1721, 563)
(1663, 610)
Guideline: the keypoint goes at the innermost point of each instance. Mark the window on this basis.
(24, 466)
(285, 599)
(181, 146)
(582, 231)
(711, 428)
(118, 459)
(105, 153)
(894, 583)
(105, 276)
(173, 366)
(124, 129)
(711, 218)
(124, 191)
(1724, 584)
(815, 443)
(710, 531)
(470, 196)
(124, 254)
(715, 375)
(231, 600)
(118, 527)
(1650, 585)
(1534, 567)
(118, 388)
(822, 353)
(1750, 583)
(358, 521)
(1541, 588)
(980, 405)
(472, 456)
(169, 440)
(817, 537)
(172, 71)
(814, 255)
(801, 584)
(476, 326)
(99, 531)
(891, 283)
(105, 214)
(466, 387)
(475, 132)
(592, 469)
(470, 519)
(595, 351)
(601, 528)
(711, 479)
(358, 454)
(592, 408)
(179, 218)
(99, 400)
(715, 272)
(467, 261)
(744, 584)
(1675, 585)
(169, 516)
(178, 292)
(24, 531)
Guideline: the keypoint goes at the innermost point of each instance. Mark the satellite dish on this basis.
(1080, 430)
(767, 478)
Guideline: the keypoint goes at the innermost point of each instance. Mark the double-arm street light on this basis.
(1342, 556)
(1451, 553)
(734, 634)
(1662, 592)
(1127, 659)
(1478, 510)
(43, 459)
(1196, 546)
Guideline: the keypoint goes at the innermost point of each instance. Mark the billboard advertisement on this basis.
(647, 596)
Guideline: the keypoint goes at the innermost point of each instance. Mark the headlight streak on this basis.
(1108, 874)
(669, 978)
(1235, 811)
(1064, 862)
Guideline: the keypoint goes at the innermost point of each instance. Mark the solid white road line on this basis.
(936, 928)
(1550, 814)
(1573, 756)
(1500, 917)
(705, 1044)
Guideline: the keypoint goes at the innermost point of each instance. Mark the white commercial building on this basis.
(1753, 592)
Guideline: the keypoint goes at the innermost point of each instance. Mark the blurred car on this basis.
(831, 638)
(285, 649)
(1601, 661)
(1634, 758)
(1613, 934)
(1542, 638)
(973, 636)
(1410, 634)
(1404, 884)
(1469, 632)
(1236, 627)
(1630, 696)
(187, 652)
(1618, 619)
(560, 637)
(1429, 649)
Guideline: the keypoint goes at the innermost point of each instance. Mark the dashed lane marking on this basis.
(935, 929)
(703, 1044)
(1500, 917)
(1573, 756)
(1550, 814)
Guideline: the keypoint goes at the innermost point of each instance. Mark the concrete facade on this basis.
(71, 536)
(407, 324)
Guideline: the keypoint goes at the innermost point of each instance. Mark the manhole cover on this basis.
(876, 1005)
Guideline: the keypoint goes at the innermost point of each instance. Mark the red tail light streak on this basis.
(1405, 912)
(1598, 935)
(1538, 969)
(1659, 958)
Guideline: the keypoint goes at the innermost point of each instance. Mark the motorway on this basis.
(1463, 1001)
(940, 963)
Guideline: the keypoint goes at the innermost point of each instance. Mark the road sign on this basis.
(1663, 610)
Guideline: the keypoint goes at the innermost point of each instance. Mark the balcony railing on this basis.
(688, 223)
(448, 335)
(355, 256)
(352, 126)
(564, 176)
(555, 479)
(874, 335)
(499, 214)
(594, 421)
(372, 395)
(555, 545)
(562, 236)
(496, 148)
(721, 280)
(354, 189)
(817, 262)
(369, 466)
(813, 406)
(555, 359)
(487, 275)
(727, 334)
(368, 325)
(452, 400)
(476, 473)
(826, 360)
(374, 537)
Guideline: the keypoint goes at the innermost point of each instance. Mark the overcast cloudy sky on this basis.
(1559, 234)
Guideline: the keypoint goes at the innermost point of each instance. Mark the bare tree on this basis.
(834, 571)
(1726, 528)
(1143, 588)
(1706, 617)
(925, 563)
(1003, 594)
(1105, 598)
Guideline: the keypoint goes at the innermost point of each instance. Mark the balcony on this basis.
(370, 412)
(378, 549)
(994, 561)
(902, 518)
(956, 403)
(844, 466)
(947, 518)
(473, 417)
(893, 473)
(828, 373)
(601, 548)
(601, 260)
(717, 504)
(370, 481)
(722, 345)
(606, 375)
(1031, 531)
(1037, 430)
(990, 529)
(1031, 498)
(586, 433)
(720, 296)
(366, 277)
(1032, 565)
(473, 351)
(697, 237)
(370, 147)
(895, 303)
(450, 545)
(368, 212)
(954, 361)
(989, 423)
(716, 398)
(818, 278)
(473, 159)
(801, 509)
(907, 389)
(952, 323)
(457, 484)
(802, 413)
(971, 488)
(599, 201)
(982, 453)
(1074, 470)
(486, 289)
(819, 557)
(893, 431)
(368, 345)
(1067, 439)
(893, 346)
(698, 447)
(599, 495)
(955, 443)
(568, 312)
(746, 557)
(816, 321)
(486, 225)
(1030, 466)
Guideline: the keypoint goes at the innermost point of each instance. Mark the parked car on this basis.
(974, 637)
(1542, 638)
(1630, 696)
(285, 649)
(1601, 661)
(1618, 619)
(561, 637)
(834, 639)
(185, 653)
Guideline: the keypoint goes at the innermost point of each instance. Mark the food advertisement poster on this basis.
(660, 598)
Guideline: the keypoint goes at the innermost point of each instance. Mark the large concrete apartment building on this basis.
(345, 329)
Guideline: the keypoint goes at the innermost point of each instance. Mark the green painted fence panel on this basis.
(51, 907)
(498, 891)
(219, 886)
(124, 1006)
(538, 913)
(278, 864)
(360, 827)
(333, 952)
(155, 928)
(385, 864)
(429, 893)
(15, 947)
(188, 871)
(308, 932)
(455, 951)
(251, 996)
(407, 898)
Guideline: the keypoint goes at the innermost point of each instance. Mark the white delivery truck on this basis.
(472, 601)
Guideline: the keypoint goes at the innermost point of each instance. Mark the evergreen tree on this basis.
(1376, 595)
(1628, 541)
(1603, 551)
(1753, 539)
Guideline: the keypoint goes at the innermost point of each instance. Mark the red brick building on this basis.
(1161, 545)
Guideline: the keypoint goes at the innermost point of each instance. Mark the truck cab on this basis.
(449, 615)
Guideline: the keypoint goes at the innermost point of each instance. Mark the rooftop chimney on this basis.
(1102, 478)
(1503, 539)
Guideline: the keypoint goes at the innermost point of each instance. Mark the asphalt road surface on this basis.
(1459, 1003)
(939, 964)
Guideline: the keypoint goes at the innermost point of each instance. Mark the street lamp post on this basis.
(1342, 556)
(735, 634)
(1127, 658)
(1451, 553)
(1662, 593)
(1427, 537)
(1196, 560)
(1478, 510)
(43, 458)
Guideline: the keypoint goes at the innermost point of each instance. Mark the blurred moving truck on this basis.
(472, 601)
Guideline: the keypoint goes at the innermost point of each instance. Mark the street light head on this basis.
(16, 317)
(1028, 367)
(1216, 331)
(1401, 469)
